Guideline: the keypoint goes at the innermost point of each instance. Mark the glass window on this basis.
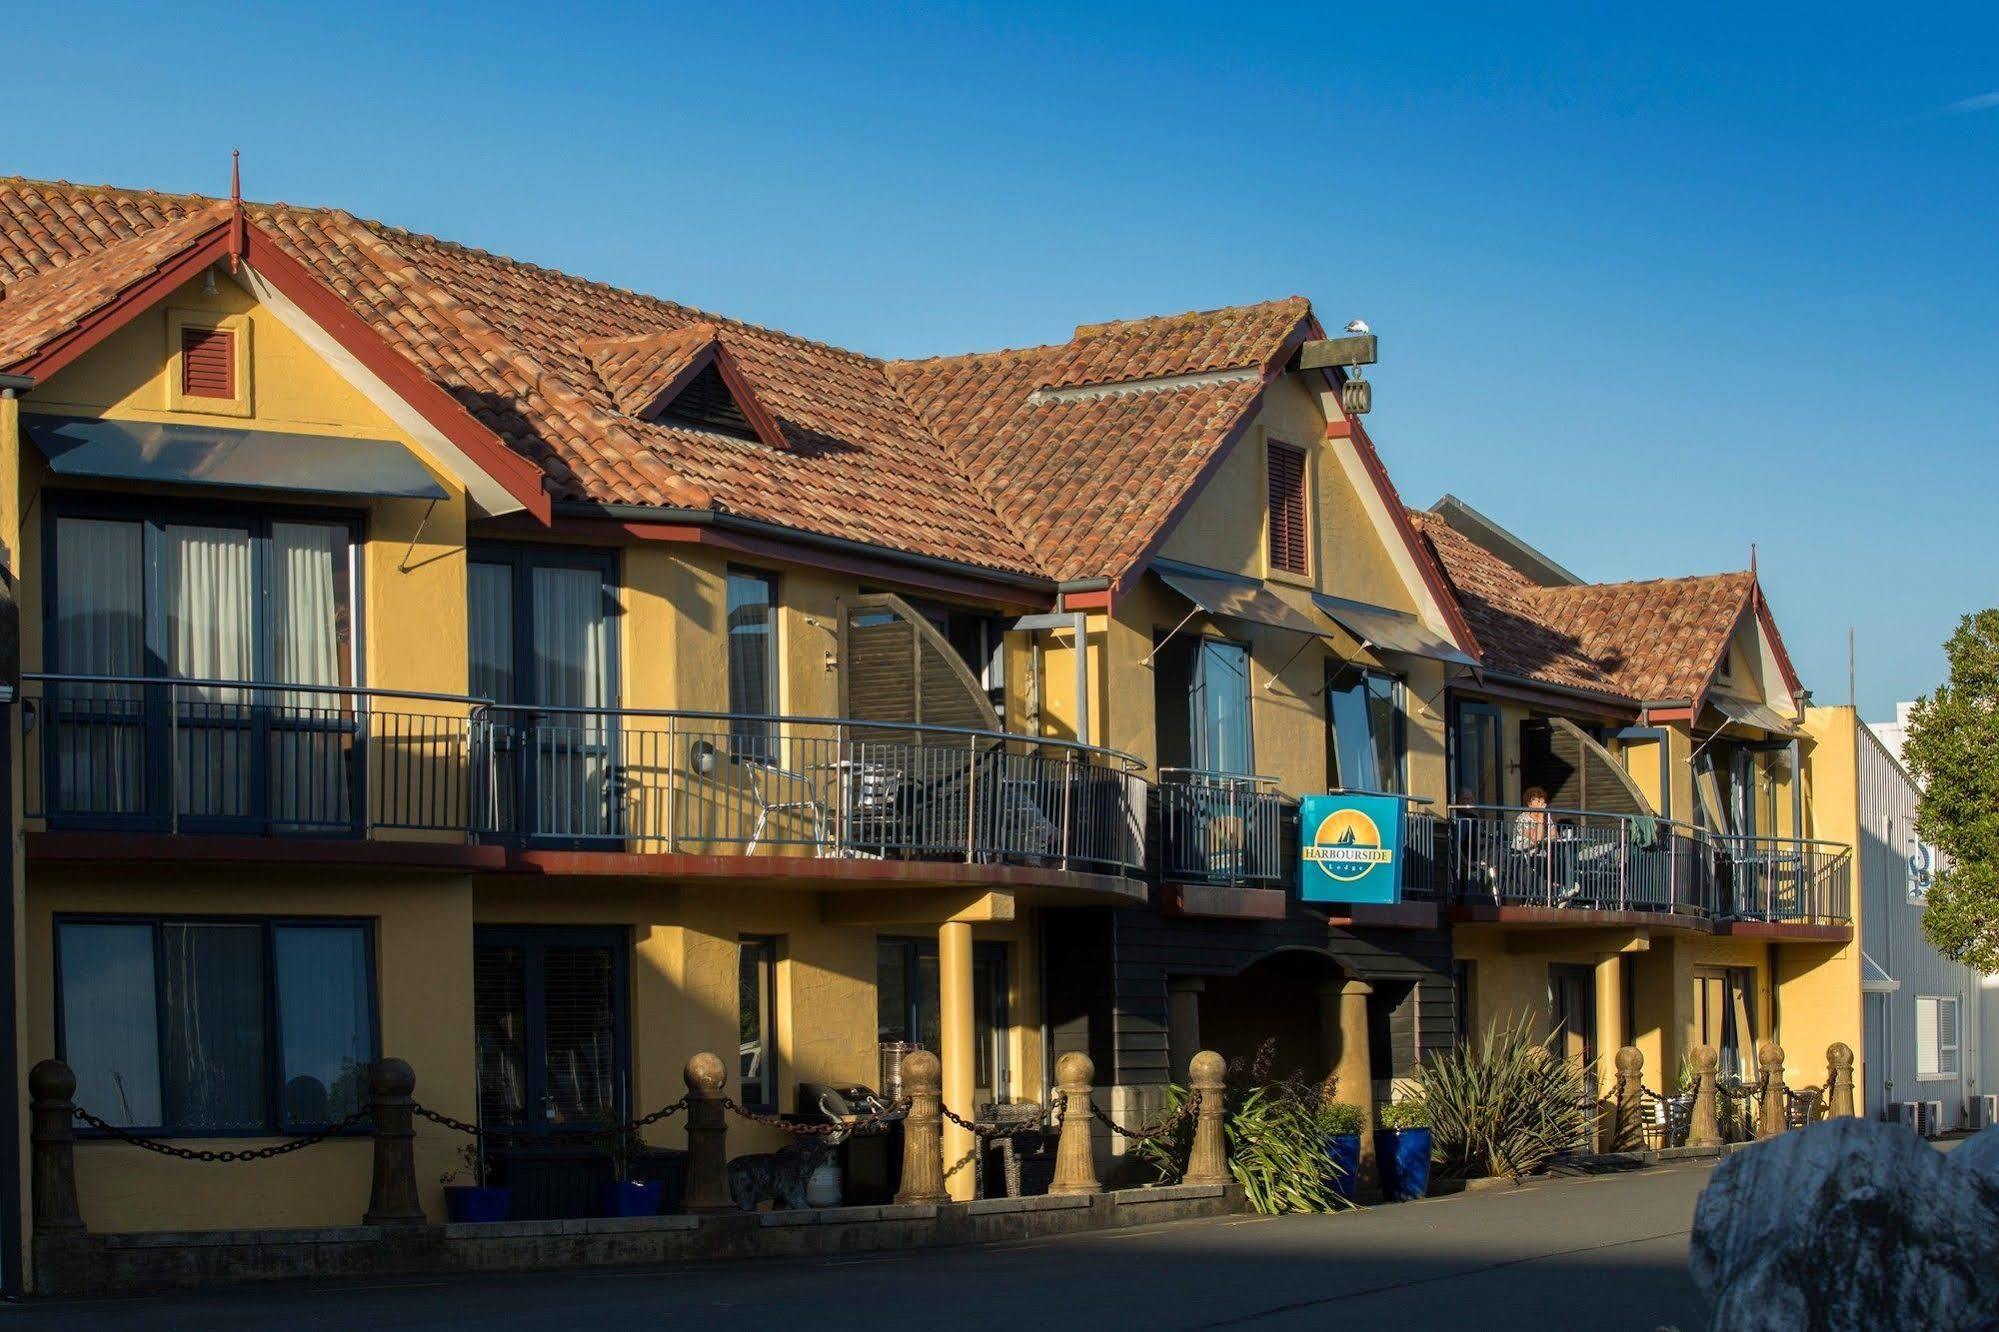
(1936, 1036)
(756, 974)
(324, 1021)
(236, 1026)
(1221, 724)
(752, 660)
(489, 598)
(548, 1017)
(1475, 779)
(1364, 710)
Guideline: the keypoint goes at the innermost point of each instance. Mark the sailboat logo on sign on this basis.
(1347, 844)
(1350, 848)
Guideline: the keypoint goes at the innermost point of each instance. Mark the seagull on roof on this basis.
(1359, 326)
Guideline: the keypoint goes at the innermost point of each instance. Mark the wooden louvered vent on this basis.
(207, 363)
(1287, 509)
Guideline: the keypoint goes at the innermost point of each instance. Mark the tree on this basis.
(1953, 751)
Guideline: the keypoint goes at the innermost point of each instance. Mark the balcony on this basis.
(1224, 829)
(219, 757)
(1590, 862)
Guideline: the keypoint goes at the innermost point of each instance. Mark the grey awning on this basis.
(1236, 598)
(1762, 717)
(1874, 979)
(1392, 630)
(221, 456)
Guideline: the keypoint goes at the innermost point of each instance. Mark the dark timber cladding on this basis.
(1118, 1014)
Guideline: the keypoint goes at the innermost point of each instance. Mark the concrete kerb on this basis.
(153, 1261)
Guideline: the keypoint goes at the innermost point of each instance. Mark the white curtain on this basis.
(309, 741)
(571, 671)
(100, 629)
(208, 605)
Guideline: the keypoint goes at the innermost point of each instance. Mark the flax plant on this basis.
(1504, 1105)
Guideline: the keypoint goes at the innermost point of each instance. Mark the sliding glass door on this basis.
(542, 647)
(222, 609)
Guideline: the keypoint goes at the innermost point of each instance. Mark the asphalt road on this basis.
(1607, 1252)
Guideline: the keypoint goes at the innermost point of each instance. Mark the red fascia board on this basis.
(747, 402)
(1769, 623)
(1433, 577)
(517, 475)
(209, 247)
(1100, 600)
(667, 392)
(1122, 585)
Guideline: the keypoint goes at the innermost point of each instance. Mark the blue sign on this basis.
(1350, 848)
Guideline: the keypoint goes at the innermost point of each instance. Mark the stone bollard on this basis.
(52, 1108)
(923, 1130)
(1771, 1118)
(1075, 1161)
(1704, 1124)
(392, 1197)
(1839, 1080)
(1627, 1127)
(1208, 1162)
(707, 1136)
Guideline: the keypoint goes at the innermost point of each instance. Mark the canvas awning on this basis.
(1758, 715)
(1236, 598)
(197, 455)
(1874, 979)
(1380, 627)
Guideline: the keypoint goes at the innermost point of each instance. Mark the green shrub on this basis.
(1274, 1131)
(1343, 1118)
(1504, 1105)
(1404, 1115)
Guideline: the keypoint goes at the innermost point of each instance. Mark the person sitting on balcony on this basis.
(1533, 827)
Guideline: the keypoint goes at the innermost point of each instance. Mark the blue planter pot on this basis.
(1343, 1163)
(464, 1203)
(1403, 1157)
(631, 1198)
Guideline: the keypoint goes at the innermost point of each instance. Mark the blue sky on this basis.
(1651, 284)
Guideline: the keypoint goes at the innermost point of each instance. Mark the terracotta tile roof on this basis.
(1639, 642)
(956, 458)
(50, 302)
(637, 370)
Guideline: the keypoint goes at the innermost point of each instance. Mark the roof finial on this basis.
(1752, 557)
(238, 239)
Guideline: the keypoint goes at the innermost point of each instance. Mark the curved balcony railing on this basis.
(724, 783)
(117, 752)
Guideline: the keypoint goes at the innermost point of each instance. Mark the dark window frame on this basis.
(534, 1040)
(753, 739)
(769, 1088)
(1334, 672)
(274, 1082)
(153, 517)
(1478, 707)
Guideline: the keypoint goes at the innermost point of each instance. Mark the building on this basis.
(1637, 857)
(430, 654)
(1929, 1020)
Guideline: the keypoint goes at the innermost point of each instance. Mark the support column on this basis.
(1183, 1020)
(1610, 1033)
(957, 1033)
(1343, 1017)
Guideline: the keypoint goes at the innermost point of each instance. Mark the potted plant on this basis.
(1339, 1127)
(624, 1195)
(1402, 1150)
(478, 1199)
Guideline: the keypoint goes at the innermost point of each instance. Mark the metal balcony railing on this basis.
(729, 784)
(1509, 855)
(1221, 828)
(114, 752)
(1783, 879)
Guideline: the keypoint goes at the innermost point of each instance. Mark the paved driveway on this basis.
(1604, 1253)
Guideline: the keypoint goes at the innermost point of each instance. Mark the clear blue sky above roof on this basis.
(1648, 290)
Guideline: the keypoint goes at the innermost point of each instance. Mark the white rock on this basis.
(1851, 1224)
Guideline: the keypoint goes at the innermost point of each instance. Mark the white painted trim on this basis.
(1160, 384)
(488, 496)
(1428, 609)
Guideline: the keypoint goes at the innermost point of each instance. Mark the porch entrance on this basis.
(908, 1007)
(1572, 1007)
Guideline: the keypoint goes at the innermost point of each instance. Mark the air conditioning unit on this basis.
(1984, 1111)
(1925, 1117)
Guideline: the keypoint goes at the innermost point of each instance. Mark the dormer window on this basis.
(683, 377)
(706, 404)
